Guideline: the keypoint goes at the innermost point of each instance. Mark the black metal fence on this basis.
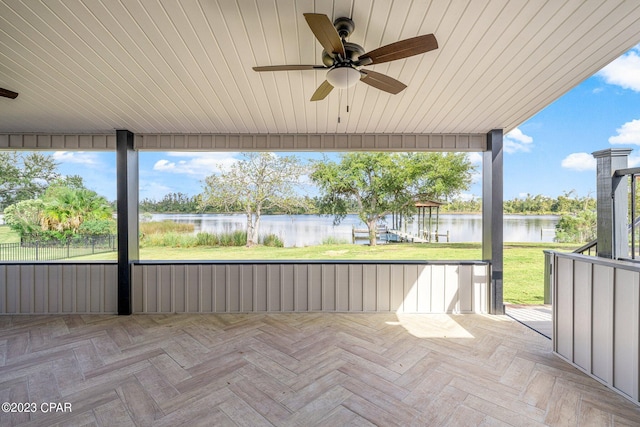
(53, 250)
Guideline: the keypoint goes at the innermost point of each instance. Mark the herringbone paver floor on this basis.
(294, 370)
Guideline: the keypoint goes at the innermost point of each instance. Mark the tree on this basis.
(25, 176)
(67, 209)
(382, 183)
(577, 228)
(258, 182)
(24, 218)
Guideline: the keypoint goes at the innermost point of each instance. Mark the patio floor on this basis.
(295, 370)
(537, 317)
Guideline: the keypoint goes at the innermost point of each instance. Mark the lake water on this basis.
(308, 230)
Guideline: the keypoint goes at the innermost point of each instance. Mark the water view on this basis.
(308, 230)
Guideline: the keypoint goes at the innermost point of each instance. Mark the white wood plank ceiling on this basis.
(167, 66)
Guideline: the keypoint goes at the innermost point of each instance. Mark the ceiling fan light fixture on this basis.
(343, 77)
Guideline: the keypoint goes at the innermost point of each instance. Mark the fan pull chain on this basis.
(339, 103)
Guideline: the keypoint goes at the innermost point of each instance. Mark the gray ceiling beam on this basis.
(250, 142)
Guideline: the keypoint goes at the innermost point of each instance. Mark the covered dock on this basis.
(427, 225)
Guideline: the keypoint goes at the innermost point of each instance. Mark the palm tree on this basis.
(67, 208)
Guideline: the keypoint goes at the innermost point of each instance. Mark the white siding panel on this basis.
(287, 287)
(625, 350)
(193, 288)
(310, 287)
(602, 298)
(260, 280)
(246, 288)
(480, 288)
(328, 287)
(356, 278)
(383, 287)
(582, 325)
(233, 292)
(343, 281)
(220, 294)
(602, 362)
(465, 289)
(139, 293)
(369, 288)
(41, 289)
(166, 288)
(438, 293)
(315, 287)
(397, 286)
(206, 290)
(452, 288)
(421, 295)
(273, 288)
(302, 287)
(564, 301)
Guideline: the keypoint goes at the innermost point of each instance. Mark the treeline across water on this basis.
(567, 203)
(183, 203)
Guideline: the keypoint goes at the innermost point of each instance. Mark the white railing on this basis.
(250, 286)
(596, 318)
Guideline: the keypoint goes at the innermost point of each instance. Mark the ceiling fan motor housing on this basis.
(352, 52)
(344, 26)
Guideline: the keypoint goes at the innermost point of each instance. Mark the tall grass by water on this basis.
(181, 235)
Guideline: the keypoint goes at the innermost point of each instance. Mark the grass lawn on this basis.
(523, 262)
(7, 235)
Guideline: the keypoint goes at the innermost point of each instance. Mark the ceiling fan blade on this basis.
(325, 32)
(323, 90)
(289, 67)
(8, 94)
(399, 50)
(382, 82)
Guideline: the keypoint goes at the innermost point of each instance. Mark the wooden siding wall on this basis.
(596, 316)
(300, 287)
(58, 288)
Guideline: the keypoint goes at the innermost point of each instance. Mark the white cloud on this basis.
(624, 71)
(466, 197)
(516, 141)
(628, 133)
(634, 161)
(579, 162)
(195, 164)
(153, 190)
(475, 158)
(78, 157)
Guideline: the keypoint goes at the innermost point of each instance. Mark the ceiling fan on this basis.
(343, 59)
(8, 94)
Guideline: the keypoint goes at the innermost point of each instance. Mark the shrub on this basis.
(272, 240)
(236, 238)
(207, 239)
(97, 227)
(24, 218)
(578, 228)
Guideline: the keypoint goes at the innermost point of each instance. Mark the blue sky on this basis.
(548, 154)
